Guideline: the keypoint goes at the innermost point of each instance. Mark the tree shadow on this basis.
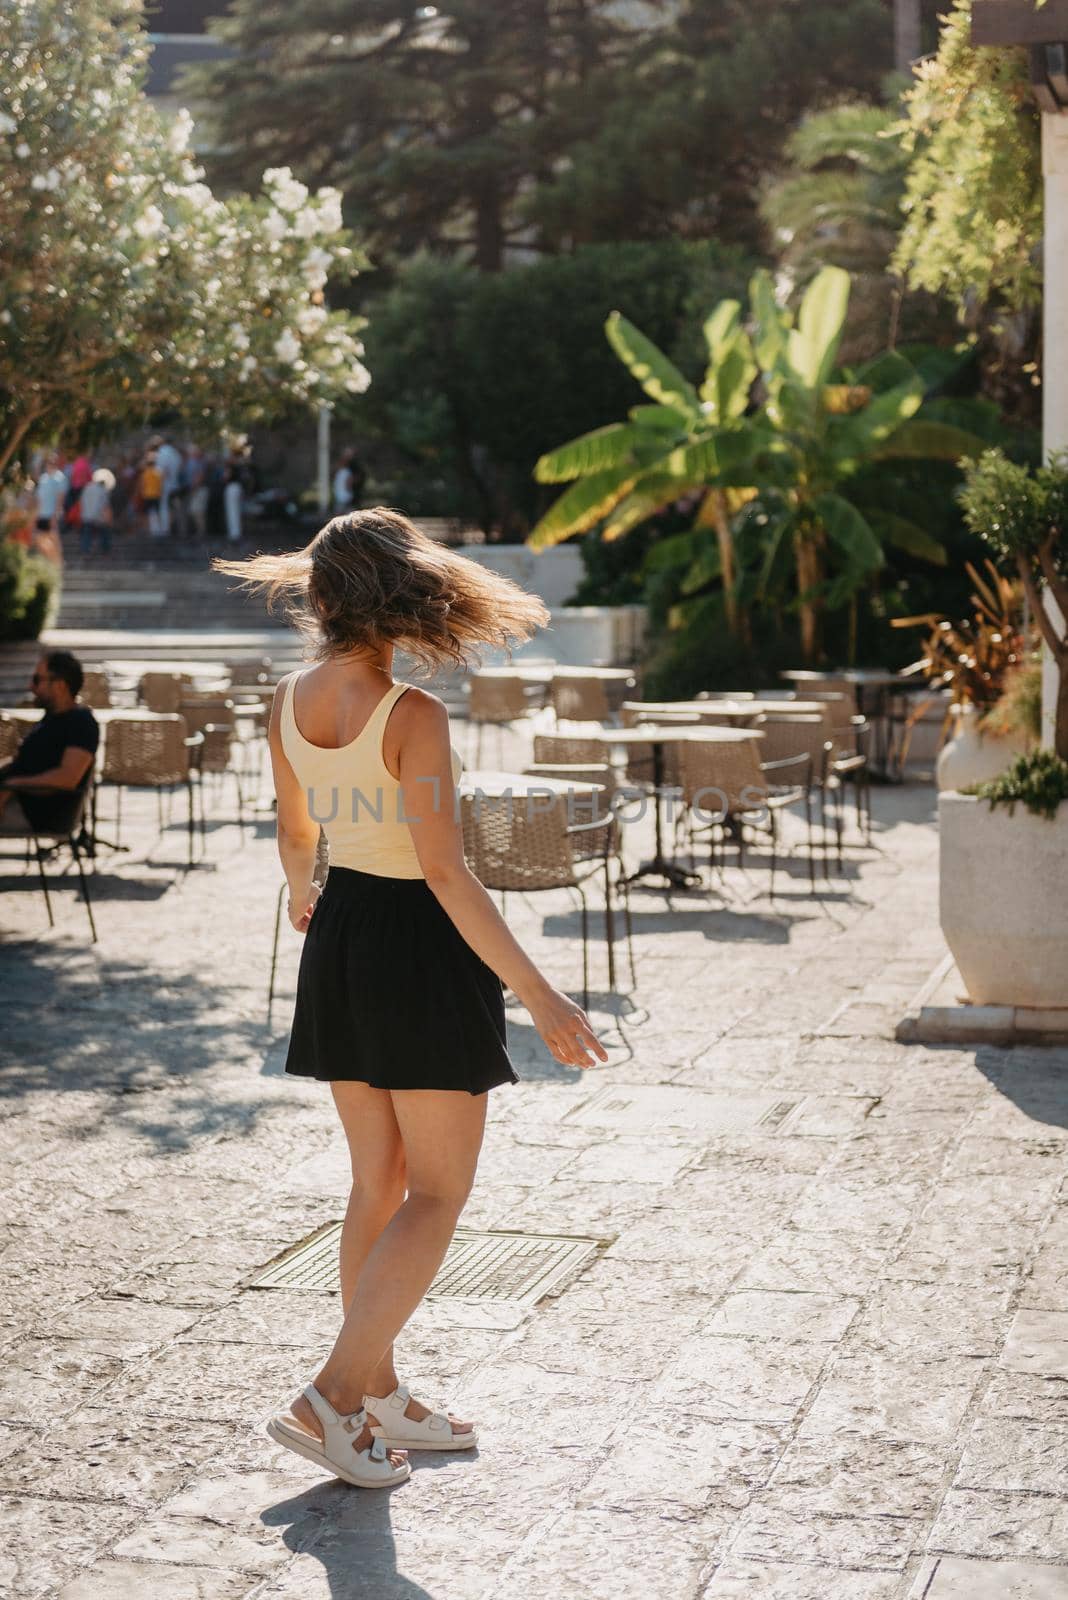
(74, 1023)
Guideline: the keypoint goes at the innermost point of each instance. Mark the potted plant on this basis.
(1004, 845)
(978, 661)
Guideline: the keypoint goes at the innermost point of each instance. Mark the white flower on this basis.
(239, 336)
(306, 223)
(149, 223)
(45, 180)
(288, 194)
(329, 202)
(248, 366)
(287, 347)
(315, 264)
(7, 124)
(275, 226)
(358, 380)
(181, 131)
(311, 319)
(22, 150)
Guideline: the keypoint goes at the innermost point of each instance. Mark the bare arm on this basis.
(420, 726)
(68, 775)
(297, 833)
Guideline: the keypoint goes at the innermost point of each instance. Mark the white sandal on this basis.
(369, 1468)
(397, 1432)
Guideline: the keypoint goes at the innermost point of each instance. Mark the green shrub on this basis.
(1038, 779)
(27, 585)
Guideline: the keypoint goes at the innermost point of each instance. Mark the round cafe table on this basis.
(657, 736)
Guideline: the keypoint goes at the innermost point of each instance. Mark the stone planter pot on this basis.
(972, 756)
(1002, 901)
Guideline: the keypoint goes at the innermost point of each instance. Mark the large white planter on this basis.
(1003, 904)
(972, 756)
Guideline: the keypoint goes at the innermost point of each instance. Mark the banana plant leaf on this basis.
(929, 441)
(906, 535)
(583, 505)
(854, 437)
(592, 452)
(849, 531)
(658, 376)
(653, 491)
(813, 344)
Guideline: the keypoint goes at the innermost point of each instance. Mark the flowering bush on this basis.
(126, 285)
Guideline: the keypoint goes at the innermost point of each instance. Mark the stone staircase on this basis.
(141, 585)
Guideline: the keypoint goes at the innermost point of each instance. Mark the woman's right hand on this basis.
(566, 1029)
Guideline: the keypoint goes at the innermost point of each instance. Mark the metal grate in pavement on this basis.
(636, 1107)
(517, 1268)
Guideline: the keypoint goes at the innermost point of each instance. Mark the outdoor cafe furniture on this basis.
(807, 737)
(69, 831)
(163, 691)
(95, 691)
(749, 793)
(594, 792)
(519, 836)
(871, 691)
(589, 694)
(150, 751)
(657, 737)
(498, 700)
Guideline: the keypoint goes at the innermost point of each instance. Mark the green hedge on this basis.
(476, 375)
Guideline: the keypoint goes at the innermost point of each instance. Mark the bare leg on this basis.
(441, 1135)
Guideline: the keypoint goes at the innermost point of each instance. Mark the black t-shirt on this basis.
(42, 750)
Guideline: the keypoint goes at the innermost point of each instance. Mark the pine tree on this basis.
(435, 124)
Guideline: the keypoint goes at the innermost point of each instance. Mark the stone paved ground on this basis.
(822, 1358)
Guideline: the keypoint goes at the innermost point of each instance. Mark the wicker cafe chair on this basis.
(215, 718)
(69, 832)
(95, 690)
(790, 737)
(600, 805)
(577, 698)
(163, 691)
(728, 787)
(568, 750)
(12, 732)
(319, 874)
(152, 752)
(523, 843)
(499, 701)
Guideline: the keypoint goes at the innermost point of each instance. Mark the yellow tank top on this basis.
(353, 795)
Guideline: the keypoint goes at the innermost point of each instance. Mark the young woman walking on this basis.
(399, 1003)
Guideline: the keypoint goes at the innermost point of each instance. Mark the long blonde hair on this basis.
(371, 578)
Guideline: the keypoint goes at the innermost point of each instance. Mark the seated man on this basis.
(57, 753)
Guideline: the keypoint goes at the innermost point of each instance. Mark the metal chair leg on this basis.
(85, 886)
(629, 932)
(811, 851)
(38, 848)
(774, 852)
(609, 925)
(585, 952)
(274, 949)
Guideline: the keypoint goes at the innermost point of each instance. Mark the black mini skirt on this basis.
(390, 993)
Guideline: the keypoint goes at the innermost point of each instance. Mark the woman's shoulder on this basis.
(420, 715)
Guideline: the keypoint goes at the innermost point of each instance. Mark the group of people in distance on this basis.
(167, 490)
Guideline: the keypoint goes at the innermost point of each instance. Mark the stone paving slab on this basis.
(823, 1354)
